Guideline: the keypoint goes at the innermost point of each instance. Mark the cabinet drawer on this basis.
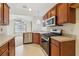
(55, 42)
(54, 50)
(3, 48)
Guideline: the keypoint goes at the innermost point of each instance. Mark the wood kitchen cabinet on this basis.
(45, 17)
(8, 49)
(65, 48)
(50, 13)
(74, 5)
(53, 11)
(5, 53)
(4, 14)
(12, 47)
(4, 50)
(36, 38)
(54, 50)
(62, 13)
(65, 14)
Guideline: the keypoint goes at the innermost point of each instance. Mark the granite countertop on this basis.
(37, 32)
(62, 38)
(4, 39)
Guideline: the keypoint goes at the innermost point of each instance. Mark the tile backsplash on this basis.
(3, 29)
(67, 28)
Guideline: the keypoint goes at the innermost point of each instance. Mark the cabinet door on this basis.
(6, 14)
(44, 17)
(49, 14)
(1, 14)
(71, 15)
(3, 48)
(54, 50)
(36, 38)
(5, 53)
(53, 11)
(12, 47)
(62, 13)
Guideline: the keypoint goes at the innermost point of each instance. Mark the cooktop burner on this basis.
(51, 34)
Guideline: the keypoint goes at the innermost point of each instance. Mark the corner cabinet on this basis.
(65, 14)
(65, 48)
(4, 14)
(36, 38)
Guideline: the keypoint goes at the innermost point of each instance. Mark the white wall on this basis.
(9, 29)
(37, 24)
(25, 19)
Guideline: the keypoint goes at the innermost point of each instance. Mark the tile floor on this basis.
(30, 50)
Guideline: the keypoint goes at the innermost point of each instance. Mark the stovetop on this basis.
(46, 36)
(51, 34)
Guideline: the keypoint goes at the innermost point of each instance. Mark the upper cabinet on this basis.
(4, 14)
(45, 17)
(64, 13)
(61, 13)
(50, 13)
(53, 12)
(74, 5)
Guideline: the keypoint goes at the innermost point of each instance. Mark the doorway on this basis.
(19, 28)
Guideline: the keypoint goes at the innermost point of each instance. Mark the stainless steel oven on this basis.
(45, 40)
(45, 43)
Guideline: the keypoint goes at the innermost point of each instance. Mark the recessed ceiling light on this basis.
(30, 9)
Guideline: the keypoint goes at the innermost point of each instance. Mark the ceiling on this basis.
(38, 9)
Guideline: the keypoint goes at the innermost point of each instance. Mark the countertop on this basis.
(4, 39)
(62, 38)
(37, 32)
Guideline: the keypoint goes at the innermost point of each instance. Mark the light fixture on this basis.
(30, 9)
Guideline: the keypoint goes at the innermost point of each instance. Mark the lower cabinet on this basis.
(36, 38)
(4, 50)
(65, 48)
(12, 47)
(5, 53)
(8, 49)
(54, 50)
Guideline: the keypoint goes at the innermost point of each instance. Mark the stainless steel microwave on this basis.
(51, 21)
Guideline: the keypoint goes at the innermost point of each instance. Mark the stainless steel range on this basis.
(45, 40)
